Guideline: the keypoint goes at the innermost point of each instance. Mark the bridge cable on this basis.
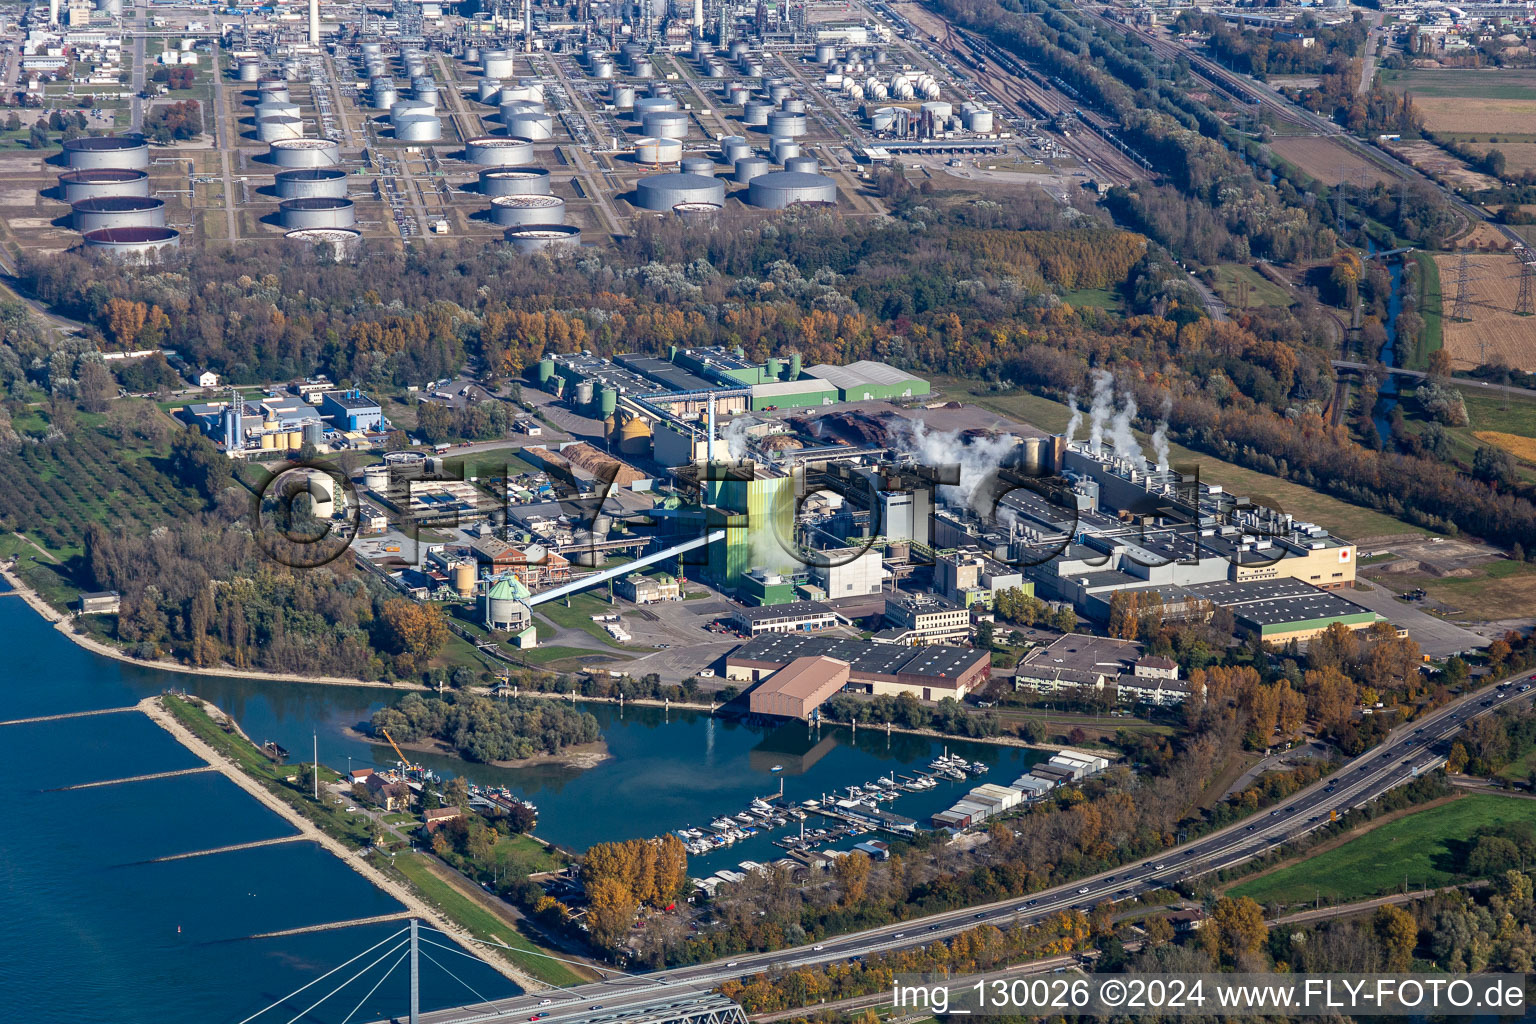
(305, 1013)
(528, 952)
(458, 979)
(403, 954)
(322, 977)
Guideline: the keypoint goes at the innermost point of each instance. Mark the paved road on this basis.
(1397, 371)
(1409, 750)
(1436, 637)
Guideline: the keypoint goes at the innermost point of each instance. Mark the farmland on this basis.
(1519, 157)
(1504, 99)
(1440, 165)
(1493, 331)
(1328, 161)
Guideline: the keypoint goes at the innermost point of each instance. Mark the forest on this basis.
(486, 729)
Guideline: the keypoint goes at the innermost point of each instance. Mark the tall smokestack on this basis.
(314, 22)
(527, 26)
(53, 12)
(698, 19)
(709, 450)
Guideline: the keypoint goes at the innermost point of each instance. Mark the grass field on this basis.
(1346, 520)
(1261, 290)
(1328, 161)
(481, 922)
(1500, 590)
(1430, 309)
(1093, 298)
(1415, 848)
(1462, 83)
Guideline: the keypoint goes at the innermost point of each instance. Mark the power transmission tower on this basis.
(1525, 302)
(1463, 289)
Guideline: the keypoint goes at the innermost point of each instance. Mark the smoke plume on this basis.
(1100, 409)
(1121, 435)
(979, 459)
(1160, 438)
(735, 437)
(1077, 417)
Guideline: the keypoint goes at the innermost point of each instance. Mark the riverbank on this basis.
(157, 712)
(65, 625)
(584, 756)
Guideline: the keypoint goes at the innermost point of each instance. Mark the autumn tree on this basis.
(1235, 929)
(411, 630)
(1398, 933)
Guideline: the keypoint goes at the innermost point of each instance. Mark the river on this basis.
(168, 942)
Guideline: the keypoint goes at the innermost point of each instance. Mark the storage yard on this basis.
(415, 124)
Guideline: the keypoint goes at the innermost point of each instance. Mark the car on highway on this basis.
(732, 963)
(1157, 867)
(900, 935)
(1082, 891)
(817, 949)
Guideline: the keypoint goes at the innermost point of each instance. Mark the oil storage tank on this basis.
(271, 129)
(698, 165)
(621, 96)
(108, 181)
(661, 192)
(496, 63)
(305, 153)
(418, 128)
(488, 91)
(543, 237)
(733, 148)
(133, 243)
(530, 125)
(786, 188)
(319, 212)
(123, 152)
(117, 212)
(312, 183)
(755, 112)
(653, 104)
(786, 124)
(276, 108)
(803, 164)
(498, 151)
(658, 152)
(339, 243)
(749, 167)
(665, 124)
(514, 181)
(515, 211)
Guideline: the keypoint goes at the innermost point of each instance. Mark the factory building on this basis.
(351, 411)
(1078, 665)
(968, 577)
(648, 589)
(274, 424)
(923, 619)
(928, 673)
(867, 380)
(850, 572)
(797, 617)
(799, 688)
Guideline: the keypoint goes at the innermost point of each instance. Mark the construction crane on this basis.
(405, 762)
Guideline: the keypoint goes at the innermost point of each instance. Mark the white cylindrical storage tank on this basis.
(698, 213)
(603, 69)
(785, 124)
(752, 68)
(418, 128)
(653, 104)
(733, 148)
(750, 167)
(802, 164)
(133, 243)
(511, 108)
(372, 48)
(496, 63)
(530, 126)
(514, 181)
(883, 119)
(783, 149)
(382, 94)
(121, 152)
(513, 211)
(664, 191)
(716, 69)
(425, 90)
(698, 165)
(755, 112)
(738, 48)
(786, 188)
(737, 95)
(523, 92)
(248, 71)
(317, 213)
(543, 237)
(109, 181)
(780, 89)
(940, 109)
(978, 120)
(312, 183)
(342, 243)
(270, 129)
(275, 88)
(655, 152)
(275, 108)
(665, 124)
(411, 108)
(305, 153)
(826, 53)
(498, 151)
(621, 96)
(792, 106)
(117, 212)
(488, 91)
(643, 68)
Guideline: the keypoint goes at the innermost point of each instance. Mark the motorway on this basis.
(1398, 371)
(1408, 751)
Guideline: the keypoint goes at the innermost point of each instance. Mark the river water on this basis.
(131, 940)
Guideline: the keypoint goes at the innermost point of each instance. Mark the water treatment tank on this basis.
(498, 151)
(108, 181)
(512, 211)
(305, 153)
(319, 212)
(117, 212)
(123, 152)
(514, 181)
(661, 192)
(655, 152)
(786, 188)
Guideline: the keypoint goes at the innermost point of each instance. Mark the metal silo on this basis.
(661, 192)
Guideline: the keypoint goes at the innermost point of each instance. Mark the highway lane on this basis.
(1409, 750)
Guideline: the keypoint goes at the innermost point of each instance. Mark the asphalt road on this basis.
(1409, 750)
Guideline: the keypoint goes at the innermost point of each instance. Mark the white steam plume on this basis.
(1120, 433)
(735, 437)
(1160, 438)
(979, 459)
(1102, 407)
(1077, 417)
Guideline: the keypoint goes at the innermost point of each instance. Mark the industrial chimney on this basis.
(314, 22)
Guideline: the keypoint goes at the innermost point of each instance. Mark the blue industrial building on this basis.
(351, 410)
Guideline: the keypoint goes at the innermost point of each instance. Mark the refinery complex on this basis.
(544, 125)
